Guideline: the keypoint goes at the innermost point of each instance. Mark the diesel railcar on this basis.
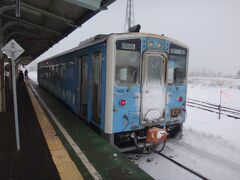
(131, 86)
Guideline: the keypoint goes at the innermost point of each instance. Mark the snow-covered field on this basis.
(210, 145)
(207, 123)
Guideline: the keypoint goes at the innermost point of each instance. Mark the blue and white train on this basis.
(124, 84)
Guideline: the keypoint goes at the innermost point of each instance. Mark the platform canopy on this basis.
(43, 23)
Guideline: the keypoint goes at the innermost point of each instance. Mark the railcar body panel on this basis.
(121, 82)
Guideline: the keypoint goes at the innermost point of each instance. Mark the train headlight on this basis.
(123, 102)
(180, 99)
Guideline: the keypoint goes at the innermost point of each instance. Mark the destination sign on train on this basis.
(177, 51)
(128, 46)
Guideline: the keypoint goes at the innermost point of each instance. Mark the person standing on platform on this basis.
(20, 76)
(26, 74)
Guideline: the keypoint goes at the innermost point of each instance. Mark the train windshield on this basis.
(127, 61)
(155, 72)
(177, 73)
(127, 67)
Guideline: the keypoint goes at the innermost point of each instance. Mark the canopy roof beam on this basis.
(29, 38)
(34, 10)
(26, 24)
(89, 4)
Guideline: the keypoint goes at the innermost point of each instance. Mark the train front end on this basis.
(145, 90)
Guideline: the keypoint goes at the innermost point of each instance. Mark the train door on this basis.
(83, 86)
(96, 87)
(153, 87)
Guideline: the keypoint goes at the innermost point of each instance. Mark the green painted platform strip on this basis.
(110, 163)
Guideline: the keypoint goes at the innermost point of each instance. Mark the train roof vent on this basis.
(135, 28)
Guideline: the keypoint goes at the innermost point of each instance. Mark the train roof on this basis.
(103, 37)
(86, 43)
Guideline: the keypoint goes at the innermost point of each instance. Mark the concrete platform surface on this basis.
(85, 146)
(34, 160)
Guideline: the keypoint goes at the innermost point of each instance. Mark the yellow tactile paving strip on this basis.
(65, 166)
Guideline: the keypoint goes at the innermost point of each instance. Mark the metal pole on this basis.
(18, 12)
(15, 104)
(1, 74)
(130, 14)
(2, 86)
(219, 107)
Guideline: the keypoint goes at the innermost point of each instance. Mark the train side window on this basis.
(50, 72)
(177, 74)
(127, 67)
(62, 71)
(83, 86)
(70, 70)
(57, 72)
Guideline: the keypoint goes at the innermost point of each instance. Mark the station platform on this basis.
(56, 144)
(34, 160)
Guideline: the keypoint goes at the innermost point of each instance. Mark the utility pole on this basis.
(129, 19)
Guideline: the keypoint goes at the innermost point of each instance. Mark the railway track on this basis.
(223, 110)
(176, 163)
(183, 166)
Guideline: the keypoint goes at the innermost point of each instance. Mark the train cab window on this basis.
(154, 71)
(177, 74)
(127, 61)
(127, 67)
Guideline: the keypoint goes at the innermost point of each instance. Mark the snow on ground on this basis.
(33, 75)
(208, 89)
(210, 145)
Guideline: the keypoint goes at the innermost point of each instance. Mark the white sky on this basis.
(210, 28)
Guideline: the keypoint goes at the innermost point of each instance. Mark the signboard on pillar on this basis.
(13, 50)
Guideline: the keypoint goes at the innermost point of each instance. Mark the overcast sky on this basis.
(210, 28)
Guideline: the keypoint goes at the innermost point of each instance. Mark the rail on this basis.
(184, 167)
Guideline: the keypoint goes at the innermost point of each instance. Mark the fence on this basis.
(218, 109)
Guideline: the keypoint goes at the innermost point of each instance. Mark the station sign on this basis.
(12, 49)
